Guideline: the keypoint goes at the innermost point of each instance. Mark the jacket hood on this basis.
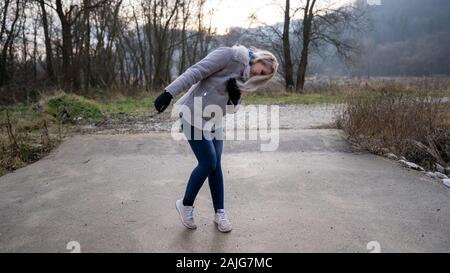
(241, 54)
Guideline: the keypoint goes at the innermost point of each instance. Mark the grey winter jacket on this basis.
(207, 80)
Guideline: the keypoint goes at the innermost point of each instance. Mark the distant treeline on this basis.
(94, 46)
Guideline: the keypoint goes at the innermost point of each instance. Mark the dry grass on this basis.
(432, 85)
(24, 139)
(416, 127)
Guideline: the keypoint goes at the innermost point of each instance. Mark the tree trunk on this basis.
(4, 73)
(48, 45)
(5, 15)
(307, 26)
(141, 45)
(35, 50)
(185, 12)
(288, 69)
(302, 69)
(66, 45)
(87, 46)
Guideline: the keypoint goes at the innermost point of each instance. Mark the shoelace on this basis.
(189, 212)
(222, 216)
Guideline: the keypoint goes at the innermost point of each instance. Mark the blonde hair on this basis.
(252, 83)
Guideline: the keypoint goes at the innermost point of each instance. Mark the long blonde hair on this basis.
(252, 83)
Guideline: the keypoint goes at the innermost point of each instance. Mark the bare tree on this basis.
(185, 8)
(6, 44)
(321, 25)
(68, 16)
(288, 67)
(326, 25)
(306, 35)
(87, 46)
(278, 38)
(200, 46)
(48, 43)
(162, 15)
(107, 28)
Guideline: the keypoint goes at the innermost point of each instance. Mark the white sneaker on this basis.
(221, 219)
(186, 214)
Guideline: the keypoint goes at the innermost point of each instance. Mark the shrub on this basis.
(68, 107)
(416, 127)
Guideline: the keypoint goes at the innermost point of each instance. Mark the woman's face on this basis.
(259, 69)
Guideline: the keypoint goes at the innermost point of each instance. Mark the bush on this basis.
(69, 107)
(416, 127)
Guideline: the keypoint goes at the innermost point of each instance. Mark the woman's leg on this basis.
(215, 178)
(205, 153)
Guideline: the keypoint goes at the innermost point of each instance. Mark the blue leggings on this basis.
(208, 154)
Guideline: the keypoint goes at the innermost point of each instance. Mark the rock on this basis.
(392, 156)
(403, 158)
(36, 146)
(447, 171)
(102, 123)
(384, 150)
(89, 126)
(440, 169)
(431, 174)
(411, 165)
(440, 175)
(446, 182)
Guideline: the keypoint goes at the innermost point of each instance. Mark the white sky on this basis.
(229, 13)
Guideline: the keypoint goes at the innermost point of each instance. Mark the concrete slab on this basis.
(117, 194)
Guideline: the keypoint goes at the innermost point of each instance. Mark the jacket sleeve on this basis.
(213, 62)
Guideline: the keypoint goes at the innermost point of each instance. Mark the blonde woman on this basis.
(215, 81)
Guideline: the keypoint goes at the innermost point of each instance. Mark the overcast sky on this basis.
(229, 13)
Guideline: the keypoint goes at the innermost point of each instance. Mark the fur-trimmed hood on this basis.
(241, 54)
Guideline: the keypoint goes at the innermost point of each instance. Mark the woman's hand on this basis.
(162, 101)
(234, 93)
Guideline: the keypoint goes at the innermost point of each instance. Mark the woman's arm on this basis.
(213, 62)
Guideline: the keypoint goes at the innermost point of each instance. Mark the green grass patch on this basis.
(71, 106)
(292, 98)
(128, 105)
(16, 108)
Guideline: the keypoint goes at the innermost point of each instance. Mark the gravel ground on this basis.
(296, 116)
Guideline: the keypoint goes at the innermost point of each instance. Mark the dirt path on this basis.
(116, 193)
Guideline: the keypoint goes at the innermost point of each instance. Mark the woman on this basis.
(217, 80)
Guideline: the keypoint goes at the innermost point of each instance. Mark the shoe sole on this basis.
(223, 231)
(181, 218)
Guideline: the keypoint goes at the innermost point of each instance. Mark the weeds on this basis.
(416, 127)
(21, 141)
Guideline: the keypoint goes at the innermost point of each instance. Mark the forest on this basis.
(133, 46)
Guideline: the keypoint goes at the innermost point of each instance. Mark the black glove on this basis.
(162, 101)
(234, 93)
